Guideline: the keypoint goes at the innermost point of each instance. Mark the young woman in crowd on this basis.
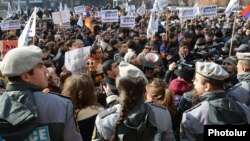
(81, 90)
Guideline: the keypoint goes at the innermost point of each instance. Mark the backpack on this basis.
(144, 132)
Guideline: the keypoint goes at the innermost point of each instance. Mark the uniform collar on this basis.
(213, 95)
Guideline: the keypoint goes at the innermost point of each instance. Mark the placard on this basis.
(79, 9)
(109, 15)
(7, 45)
(186, 14)
(75, 60)
(208, 11)
(10, 25)
(127, 21)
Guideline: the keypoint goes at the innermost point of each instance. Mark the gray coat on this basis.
(106, 122)
(32, 114)
(241, 91)
(194, 119)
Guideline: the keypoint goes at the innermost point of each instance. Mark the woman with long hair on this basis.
(133, 119)
(81, 90)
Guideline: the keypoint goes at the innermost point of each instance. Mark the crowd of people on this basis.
(200, 76)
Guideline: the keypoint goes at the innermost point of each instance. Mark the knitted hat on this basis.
(128, 56)
(232, 61)
(178, 86)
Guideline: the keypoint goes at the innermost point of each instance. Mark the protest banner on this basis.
(75, 60)
(79, 9)
(127, 21)
(208, 11)
(7, 45)
(186, 14)
(109, 15)
(10, 25)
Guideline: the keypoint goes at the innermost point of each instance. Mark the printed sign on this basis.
(75, 60)
(7, 45)
(10, 25)
(79, 9)
(127, 21)
(186, 14)
(208, 11)
(65, 25)
(109, 15)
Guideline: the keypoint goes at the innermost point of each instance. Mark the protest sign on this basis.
(186, 14)
(61, 17)
(10, 25)
(109, 15)
(75, 60)
(7, 45)
(208, 11)
(127, 21)
(79, 9)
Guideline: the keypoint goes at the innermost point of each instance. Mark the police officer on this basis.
(26, 112)
(241, 91)
(208, 83)
(133, 112)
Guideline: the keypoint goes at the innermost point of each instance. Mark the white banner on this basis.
(127, 21)
(79, 9)
(109, 15)
(186, 14)
(10, 25)
(208, 11)
(75, 60)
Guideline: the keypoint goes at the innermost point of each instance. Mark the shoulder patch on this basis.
(107, 112)
(195, 106)
(157, 105)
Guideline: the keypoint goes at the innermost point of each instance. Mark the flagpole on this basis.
(167, 22)
(231, 44)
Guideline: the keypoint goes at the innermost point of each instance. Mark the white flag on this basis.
(152, 25)
(66, 7)
(159, 4)
(9, 12)
(196, 10)
(79, 22)
(23, 39)
(32, 31)
(233, 4)
(141, 10)
(61, 7)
